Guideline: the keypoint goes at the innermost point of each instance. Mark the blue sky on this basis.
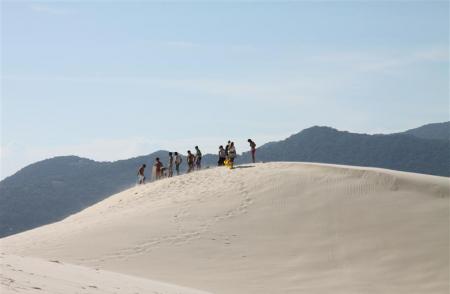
(111, 80)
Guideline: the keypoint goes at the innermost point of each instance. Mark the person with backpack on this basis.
(170, 166)
(222, 156)
(198, 158)
(232, 154)
(190, 161)
(141, 175)
(252, 149)
(178, 161)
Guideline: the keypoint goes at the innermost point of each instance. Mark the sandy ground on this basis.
(31, 275)
(265, 228)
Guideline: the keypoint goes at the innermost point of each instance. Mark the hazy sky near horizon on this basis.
(110, 80)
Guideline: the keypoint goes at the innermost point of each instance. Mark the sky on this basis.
(111, 80)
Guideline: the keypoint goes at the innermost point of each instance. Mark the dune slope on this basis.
(266, 228)
(31, 275)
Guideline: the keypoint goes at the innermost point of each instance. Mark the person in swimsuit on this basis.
(158, 168)
(190, 161)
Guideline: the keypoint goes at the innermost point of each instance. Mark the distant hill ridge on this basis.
(52, 189)
(395, 151)
(438, 131)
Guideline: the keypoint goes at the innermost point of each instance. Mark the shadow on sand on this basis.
(244, 166)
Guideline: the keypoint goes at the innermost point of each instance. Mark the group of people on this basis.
(194, 161)
(227, 153)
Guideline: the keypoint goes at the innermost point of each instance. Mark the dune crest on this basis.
(265, 228)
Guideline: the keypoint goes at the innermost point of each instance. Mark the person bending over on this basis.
(252, 149)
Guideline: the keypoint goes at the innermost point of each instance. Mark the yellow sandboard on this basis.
(228, 163)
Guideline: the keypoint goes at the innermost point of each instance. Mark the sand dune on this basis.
(31, 275)
(267, 228)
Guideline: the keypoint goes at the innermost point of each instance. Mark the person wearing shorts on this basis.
(141, 175)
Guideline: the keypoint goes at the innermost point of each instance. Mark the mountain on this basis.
(438, 131)
(327, 145)
(52, 189)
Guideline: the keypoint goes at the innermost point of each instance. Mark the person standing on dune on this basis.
(170, 165)
(190, 161)
(232, 154)
(227, 147)
(253, 149)
(158, 168)
(198, 158)
(141, 176)
(222, 156)
(178, 161)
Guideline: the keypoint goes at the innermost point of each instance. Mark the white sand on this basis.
(272, 228)
(31, 275)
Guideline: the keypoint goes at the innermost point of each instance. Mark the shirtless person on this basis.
(141, 176)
